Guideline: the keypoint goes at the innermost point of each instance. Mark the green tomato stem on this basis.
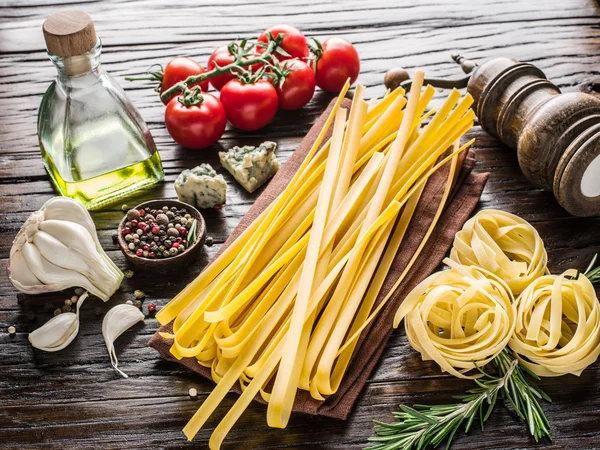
(238, 63)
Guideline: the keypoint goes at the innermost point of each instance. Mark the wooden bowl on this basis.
(174, 262)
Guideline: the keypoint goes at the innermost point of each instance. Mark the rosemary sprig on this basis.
(593, 274)
(523, 395)
(192, 233)
(426, 425)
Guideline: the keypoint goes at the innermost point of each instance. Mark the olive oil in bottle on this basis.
(95, 145)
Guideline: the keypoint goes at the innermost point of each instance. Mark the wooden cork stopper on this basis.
(69, 33)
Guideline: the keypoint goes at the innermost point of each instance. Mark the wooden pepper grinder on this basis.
(557, 136)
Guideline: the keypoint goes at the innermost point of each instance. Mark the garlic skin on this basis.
(58, 332)
(57, 248)
(116, 321)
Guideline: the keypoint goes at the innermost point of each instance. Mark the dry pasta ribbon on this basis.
(558, 325)
(503, 244)
(460, 318)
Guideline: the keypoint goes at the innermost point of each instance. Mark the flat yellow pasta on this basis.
(558, 325)
(282, 308)
(503, 244)
(460, 318)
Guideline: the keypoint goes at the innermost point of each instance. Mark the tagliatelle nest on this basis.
(558, 325)
(503, 244)
(460, 318)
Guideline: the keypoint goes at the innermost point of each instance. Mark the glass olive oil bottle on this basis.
(95, 145)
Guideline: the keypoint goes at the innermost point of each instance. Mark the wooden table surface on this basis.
(72, 399)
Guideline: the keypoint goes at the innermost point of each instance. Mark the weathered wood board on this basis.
(72, 399)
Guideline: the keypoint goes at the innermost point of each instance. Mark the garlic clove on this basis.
(116, 321)
(21, 276)
(72, 235)
(55, 277)
(58, 253)
(63, 208)
(58, 332)
(76, 238)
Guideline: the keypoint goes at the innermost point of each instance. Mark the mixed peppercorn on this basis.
(158, 233)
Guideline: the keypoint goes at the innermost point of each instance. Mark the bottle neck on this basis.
(72, 67)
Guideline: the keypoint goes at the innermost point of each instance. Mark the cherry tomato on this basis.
(298, 87)
(178, 70)
(338, 61)
(249, 106)
(196, 126)
(293, 42)
(221, 57)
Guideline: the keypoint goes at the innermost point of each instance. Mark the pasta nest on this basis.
(503, 244)
(558, 325)
(461, 318)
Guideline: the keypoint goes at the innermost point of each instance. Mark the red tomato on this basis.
(293, 42)
(178, 70)
(196, 126)
(249, 106)
(221, 57)
(338, 61)
(298, 87)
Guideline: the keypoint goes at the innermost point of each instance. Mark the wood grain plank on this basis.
(73, 399)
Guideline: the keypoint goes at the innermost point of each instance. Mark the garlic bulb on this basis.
(118, 320)
(57, 248)
(58, 332)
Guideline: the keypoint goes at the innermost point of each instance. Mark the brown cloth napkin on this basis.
(467, 189)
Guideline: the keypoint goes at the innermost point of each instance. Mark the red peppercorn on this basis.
(155, 229)
(139, 252)
(183, 232)
(134, 223)
(151, 255)
(179, 240)
(175, 245)
(146, 247)
(151, 307)
(142, 212)
(125, 231)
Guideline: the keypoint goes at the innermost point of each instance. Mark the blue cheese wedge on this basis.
(251, 166)
(201, 187)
